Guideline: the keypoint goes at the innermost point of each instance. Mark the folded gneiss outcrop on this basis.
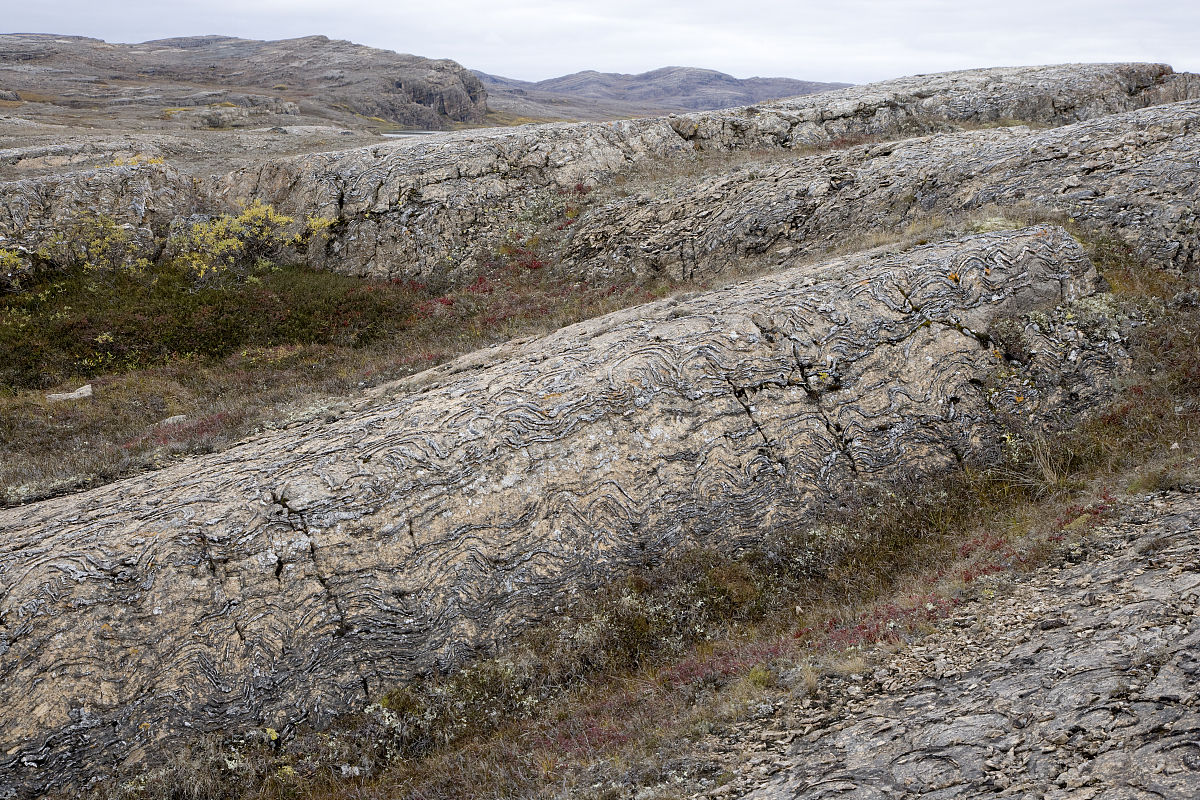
(433, 209)
(289, 578)
(1134, 174)
(294, 576)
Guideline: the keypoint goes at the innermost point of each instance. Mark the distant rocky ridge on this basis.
(229, 78)
(582, 94)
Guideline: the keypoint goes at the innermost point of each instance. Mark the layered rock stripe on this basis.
(292, 577)
(432, 208)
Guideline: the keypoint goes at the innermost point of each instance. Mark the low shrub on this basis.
(232, 247)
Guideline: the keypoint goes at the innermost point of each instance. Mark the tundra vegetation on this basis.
(612, 689)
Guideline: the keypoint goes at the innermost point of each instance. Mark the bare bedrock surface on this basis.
(287, 578)
(1077, 682)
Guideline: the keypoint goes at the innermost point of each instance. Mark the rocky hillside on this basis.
(233, 80)
(595, 95)
(437, 208)
(304, 571)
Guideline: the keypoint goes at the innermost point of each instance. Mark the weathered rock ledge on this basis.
(1136, 175)
(435, 208)
(289, 578)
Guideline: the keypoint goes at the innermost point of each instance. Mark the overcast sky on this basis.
(855, 41)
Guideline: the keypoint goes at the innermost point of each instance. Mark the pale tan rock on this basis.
(79, 394)
(289, 578)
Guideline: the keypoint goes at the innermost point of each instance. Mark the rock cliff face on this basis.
(289, 578)
(144, 196)
(922, 104)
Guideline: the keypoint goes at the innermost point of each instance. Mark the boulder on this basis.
(79, 394)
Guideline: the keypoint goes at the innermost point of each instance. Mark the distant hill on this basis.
(609, 94)
(313, 75)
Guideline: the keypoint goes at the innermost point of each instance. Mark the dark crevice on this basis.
(296, 520)
(768, 448)
(814, 396)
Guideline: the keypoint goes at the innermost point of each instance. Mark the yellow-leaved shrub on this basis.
(231, 247)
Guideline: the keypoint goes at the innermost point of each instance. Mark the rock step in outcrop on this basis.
(435, 207)
(1135, 174)
(291, 577)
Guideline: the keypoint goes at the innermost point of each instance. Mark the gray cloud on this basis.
(856, 40)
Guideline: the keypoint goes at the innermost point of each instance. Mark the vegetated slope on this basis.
(596, 95)
(305, 571)
(228, 77)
